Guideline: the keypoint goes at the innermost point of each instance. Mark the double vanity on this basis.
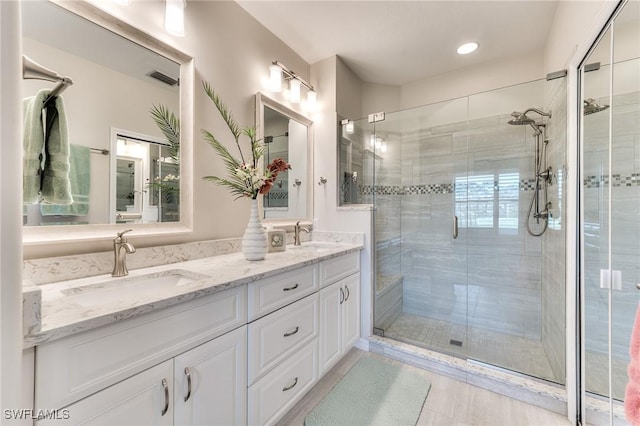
(213, 340)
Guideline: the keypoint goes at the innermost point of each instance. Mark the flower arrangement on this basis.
(245, 179)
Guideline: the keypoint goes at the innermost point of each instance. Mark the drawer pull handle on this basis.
(187, 373)
(346, 289)
(290, 288)
(165, 385)
(341, 296)
(291, 333)
(286, 388)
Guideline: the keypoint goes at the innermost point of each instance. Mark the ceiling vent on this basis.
(163, 78)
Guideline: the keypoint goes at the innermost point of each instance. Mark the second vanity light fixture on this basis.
(276, 71)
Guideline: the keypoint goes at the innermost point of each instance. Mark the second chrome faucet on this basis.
(120, 250)
(296, 233)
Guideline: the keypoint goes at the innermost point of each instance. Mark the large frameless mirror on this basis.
(124, 165)
(286, 135)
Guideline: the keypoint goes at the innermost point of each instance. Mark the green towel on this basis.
(80, 177)
(56, 186)
(33, 146)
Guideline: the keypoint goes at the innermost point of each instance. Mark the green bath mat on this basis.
(373, 392)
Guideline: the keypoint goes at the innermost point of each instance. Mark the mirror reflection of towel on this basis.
(33, 146)
(56, 187)
(51, 181)
(80, 178)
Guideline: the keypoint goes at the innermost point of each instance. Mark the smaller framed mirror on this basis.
(287, 135)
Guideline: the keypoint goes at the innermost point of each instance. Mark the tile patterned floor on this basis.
(511, 352)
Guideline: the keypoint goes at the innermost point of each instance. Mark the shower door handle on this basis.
(455, 227)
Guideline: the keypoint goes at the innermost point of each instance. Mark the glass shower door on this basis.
(421, 259)
(611, 200)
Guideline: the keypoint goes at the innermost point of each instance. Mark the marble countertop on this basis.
(72, 306)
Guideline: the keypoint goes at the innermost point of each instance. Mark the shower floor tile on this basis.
(502, 350)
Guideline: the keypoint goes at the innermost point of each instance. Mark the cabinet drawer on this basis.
(272, 293)
(273, 395)
(79, 365)
(276, 336)
(333, 270)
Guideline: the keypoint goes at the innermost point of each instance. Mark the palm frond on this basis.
(169, 125)
(229, 160)
(257, 147)
(235, 187)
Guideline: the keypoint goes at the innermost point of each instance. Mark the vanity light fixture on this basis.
(277, 69)
(174, 17)
(275, 78)
(467, 48)
(294, 90)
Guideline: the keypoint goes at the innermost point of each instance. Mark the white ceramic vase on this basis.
(254, 241)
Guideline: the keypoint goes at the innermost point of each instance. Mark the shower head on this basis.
(520, 119)
(591, 106)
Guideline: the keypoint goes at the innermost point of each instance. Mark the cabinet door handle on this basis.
(286, 388)
(187, 373)
(341, 296)
(165, 385)
(291, 333)
(346, 289)
(290, 288)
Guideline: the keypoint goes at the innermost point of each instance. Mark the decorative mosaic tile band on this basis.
(527, 184)
(595, 181)
(445, 188)
(273, 195)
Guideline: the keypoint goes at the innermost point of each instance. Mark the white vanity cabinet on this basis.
(210, 382)
(244, 355)
(204, 386)
(143, 399)
(339, 312)
(128, 372)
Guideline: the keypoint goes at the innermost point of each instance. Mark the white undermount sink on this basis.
(313, 247)
(116, 289)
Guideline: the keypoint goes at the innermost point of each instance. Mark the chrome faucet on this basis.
(120, 255)
(296, 233)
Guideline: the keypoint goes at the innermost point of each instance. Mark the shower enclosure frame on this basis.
(373, 194)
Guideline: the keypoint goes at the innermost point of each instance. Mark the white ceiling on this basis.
(396, 42)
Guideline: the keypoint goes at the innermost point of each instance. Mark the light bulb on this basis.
(174, 17)
(467, 48)
(311, 100)
(275, 79)
(294, 91)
